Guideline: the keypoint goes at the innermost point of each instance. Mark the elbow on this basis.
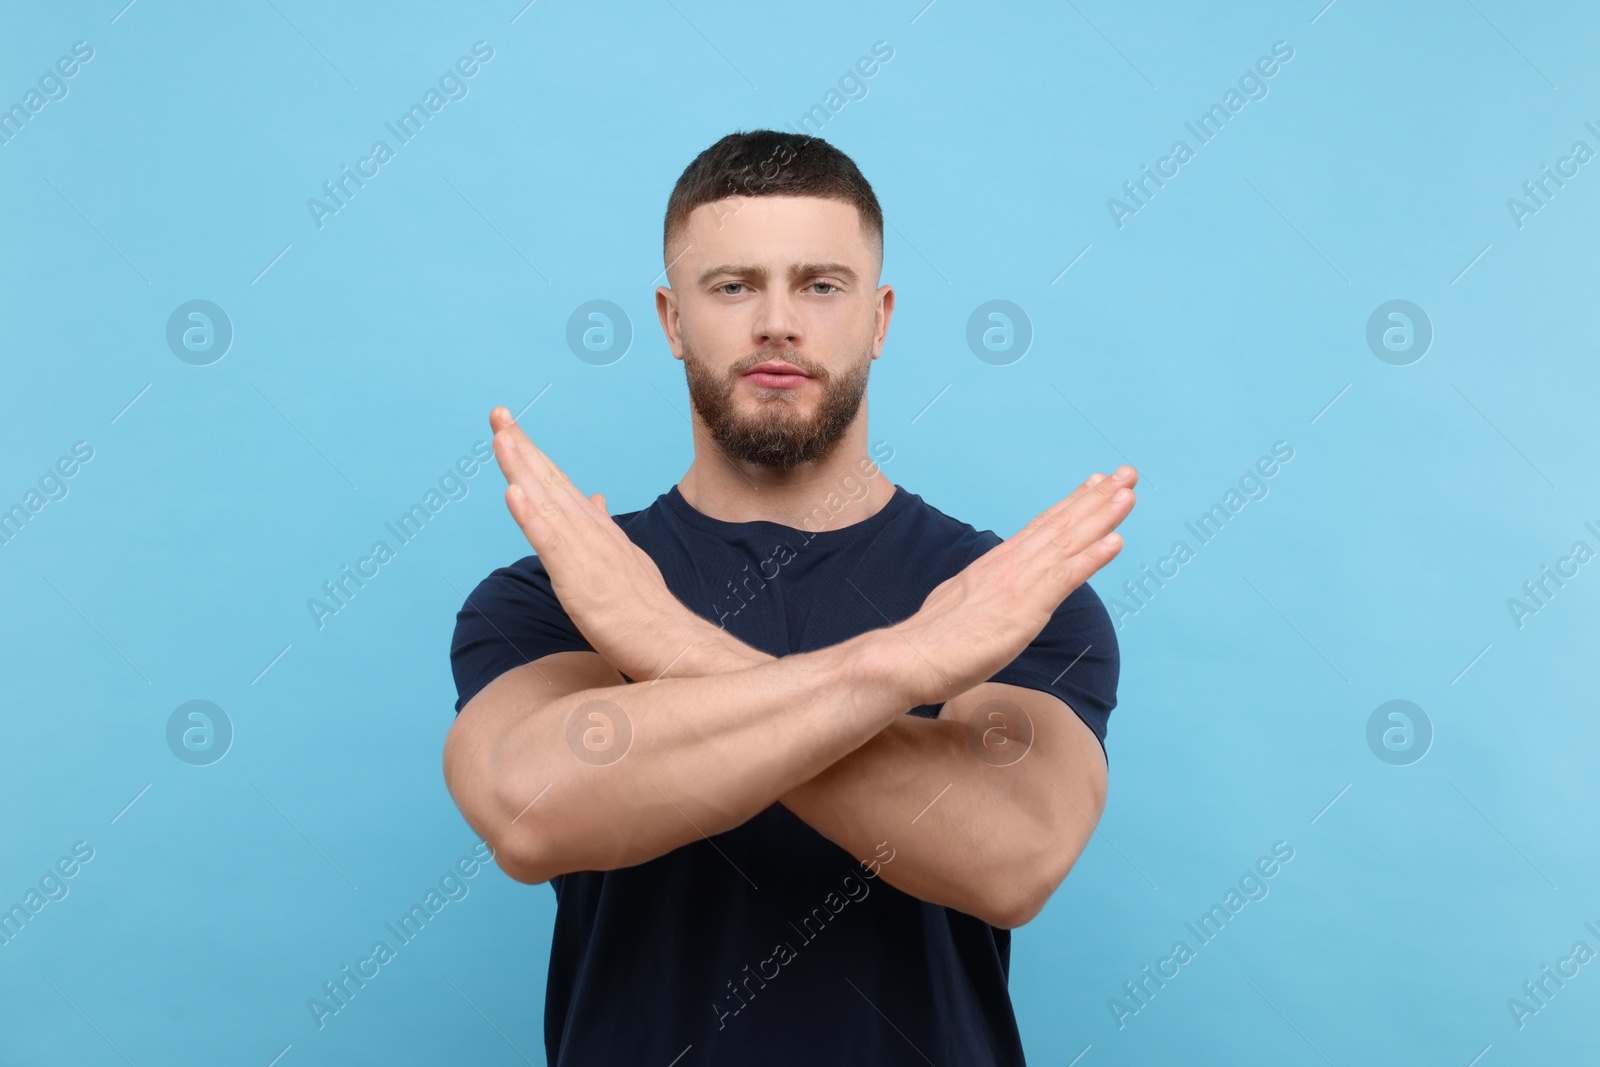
(514, 855)
(1019, 907)
(1024, 896)
(520, 847)
(1062, 837)
(543, 829)
(1010, 901)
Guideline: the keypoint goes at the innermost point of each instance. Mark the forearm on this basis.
(687, 757)
(965, 849)
(966, 833)
(688, 646)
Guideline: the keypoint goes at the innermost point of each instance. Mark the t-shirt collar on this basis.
(674, 502)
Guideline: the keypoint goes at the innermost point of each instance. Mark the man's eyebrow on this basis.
(800, 270)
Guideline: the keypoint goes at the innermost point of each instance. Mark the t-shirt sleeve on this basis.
(1076, 658)
(512, 617)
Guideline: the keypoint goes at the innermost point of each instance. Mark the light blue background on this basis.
(1224, 316)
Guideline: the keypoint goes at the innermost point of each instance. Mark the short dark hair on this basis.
(771, 163)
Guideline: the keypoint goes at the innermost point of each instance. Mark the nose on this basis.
(778, 324)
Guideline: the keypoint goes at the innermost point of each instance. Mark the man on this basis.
(795, 749)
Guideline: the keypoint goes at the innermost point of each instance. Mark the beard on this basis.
(776, 434)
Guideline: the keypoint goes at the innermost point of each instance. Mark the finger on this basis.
(525, 465)
(1084, 521)
(1124, 475)
(1095, 490)
(514, 465)
(512, 462)
(1077, 494)
(1086, 564)
(525, 454)
(528, 518)
(550, 508)
(1093, 526)
(1097, 487)
(600, 501)
(552, 478)
(539, 513)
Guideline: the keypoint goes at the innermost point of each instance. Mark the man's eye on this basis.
(830, 285)
(723, 288)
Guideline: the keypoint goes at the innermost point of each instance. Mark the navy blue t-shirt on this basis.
(769, 944)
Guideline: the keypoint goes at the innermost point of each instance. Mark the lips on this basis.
(776, 366)
(776, 374)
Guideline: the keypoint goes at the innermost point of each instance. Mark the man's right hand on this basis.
(975, 623)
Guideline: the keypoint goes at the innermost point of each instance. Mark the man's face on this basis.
(774, 313)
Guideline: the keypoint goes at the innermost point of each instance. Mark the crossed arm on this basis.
(986, 808)
(984, 814)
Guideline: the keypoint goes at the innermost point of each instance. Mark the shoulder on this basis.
(936, 529)
(526, 580)
(1081, 634)
(513, 617)
(958, 543)
(971, 541)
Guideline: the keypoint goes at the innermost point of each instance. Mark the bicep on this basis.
(485, 720)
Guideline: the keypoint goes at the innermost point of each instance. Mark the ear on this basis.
(671, 325)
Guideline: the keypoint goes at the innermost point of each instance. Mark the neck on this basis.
(840, 489)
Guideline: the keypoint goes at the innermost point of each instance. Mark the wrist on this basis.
(878, 667)
(687, 646)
